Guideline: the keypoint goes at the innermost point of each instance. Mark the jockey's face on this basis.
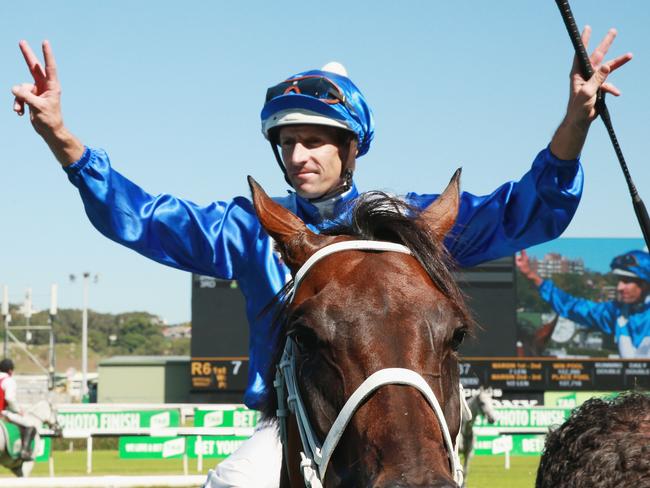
(631, 290)
(312, 157)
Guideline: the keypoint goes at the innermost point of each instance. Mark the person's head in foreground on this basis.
(604, 444)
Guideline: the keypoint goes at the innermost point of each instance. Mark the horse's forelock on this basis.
(378, 216)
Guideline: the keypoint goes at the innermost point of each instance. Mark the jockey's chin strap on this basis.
(315, 456)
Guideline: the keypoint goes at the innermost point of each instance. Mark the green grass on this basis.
(489, 472)
(108, 462)
(485, 471)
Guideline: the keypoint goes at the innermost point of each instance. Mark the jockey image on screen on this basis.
(11, 411)
(627, 318)
(318, 123)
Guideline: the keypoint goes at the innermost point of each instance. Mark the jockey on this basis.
(627, 318)
(10, 410)
(318, 122)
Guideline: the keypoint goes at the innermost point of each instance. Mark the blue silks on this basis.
(224, 238)
(628, 323)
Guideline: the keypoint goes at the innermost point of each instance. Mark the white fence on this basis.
(105, 481)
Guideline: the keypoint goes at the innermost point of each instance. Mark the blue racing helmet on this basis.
(320, 97)
(634, 264)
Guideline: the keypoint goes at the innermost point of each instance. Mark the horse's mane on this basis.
(376, 216)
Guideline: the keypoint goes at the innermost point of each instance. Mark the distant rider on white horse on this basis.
(11, 411)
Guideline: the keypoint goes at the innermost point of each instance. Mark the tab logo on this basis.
(174, 447)
(160, 420)
(213, 419)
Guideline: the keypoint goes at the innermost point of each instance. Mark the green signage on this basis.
(42, 449)
(214, 446)
(125, 419)
(232, 417)
(134, 447)
(571, 399)
(131, 447)
(531, 417)
(522, 445)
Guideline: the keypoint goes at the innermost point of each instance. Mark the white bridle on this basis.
(315, 456)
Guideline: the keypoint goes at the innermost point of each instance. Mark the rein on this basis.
(315, 456)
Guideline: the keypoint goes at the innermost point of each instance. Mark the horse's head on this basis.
(357, 312)
(486, 405)
(45, 413)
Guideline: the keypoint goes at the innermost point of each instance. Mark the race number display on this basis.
(219, 347)
(224, 374)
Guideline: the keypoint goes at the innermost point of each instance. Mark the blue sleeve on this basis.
(516, 215)
(600, 316)
(211, 240)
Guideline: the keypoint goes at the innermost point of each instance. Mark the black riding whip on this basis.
(601, 108)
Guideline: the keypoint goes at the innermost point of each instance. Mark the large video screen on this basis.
(582, 309)
(584, 329)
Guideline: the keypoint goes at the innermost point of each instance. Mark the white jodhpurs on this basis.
(256, 464)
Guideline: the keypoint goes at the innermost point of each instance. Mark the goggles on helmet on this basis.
(320, 98)
(315, 86)
(625, 261)
(632, 264)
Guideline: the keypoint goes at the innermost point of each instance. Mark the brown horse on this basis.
(369, 369)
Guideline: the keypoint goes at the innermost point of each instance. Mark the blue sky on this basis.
(173, 92)
(596, 253)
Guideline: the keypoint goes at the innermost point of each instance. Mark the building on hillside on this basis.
(554, 263)
(177, 332)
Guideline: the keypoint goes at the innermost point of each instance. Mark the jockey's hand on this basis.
(582, 98)
(523, 263)
(569, 139)
(43, 97)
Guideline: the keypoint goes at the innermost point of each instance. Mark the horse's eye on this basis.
(304, 338)
(457, 339)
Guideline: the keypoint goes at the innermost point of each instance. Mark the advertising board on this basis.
(213, 447)
(122, 419)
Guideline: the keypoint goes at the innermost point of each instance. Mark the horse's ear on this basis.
(294, 240)
(441, 214)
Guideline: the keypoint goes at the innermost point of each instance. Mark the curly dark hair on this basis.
(605, 443)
